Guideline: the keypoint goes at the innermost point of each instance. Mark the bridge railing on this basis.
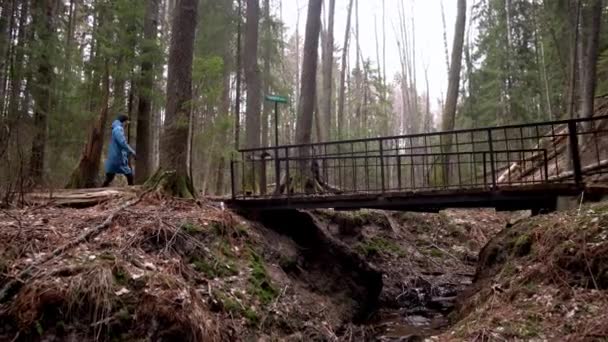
(487, 158)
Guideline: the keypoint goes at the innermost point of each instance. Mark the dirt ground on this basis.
(166, 270)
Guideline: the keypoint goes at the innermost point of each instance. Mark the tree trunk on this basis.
(43, 13)
(17, 80)
(143, 164)
(445, 38)
(449, 114)
(574, 27)
(252, 79)
(309, 71)
(267, 107)
(174, 155)
(328, 63)
(308, 92)
(237, 98)
(590, 65)
(7, 19)
(224, 110)
(343, 72)
(86, 173)
(252, 76)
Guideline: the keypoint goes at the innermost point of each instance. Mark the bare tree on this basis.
(591, 56)
(237, 100)
(574, 29)
(328, 63)
(449, 113)
(343, 72)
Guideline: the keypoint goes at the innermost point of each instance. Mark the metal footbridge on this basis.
(516, 167)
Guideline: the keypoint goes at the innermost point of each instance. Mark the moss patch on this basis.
(214, 269)
(377, 245)
(260, 284)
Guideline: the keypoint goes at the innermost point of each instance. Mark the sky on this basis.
(430, 49)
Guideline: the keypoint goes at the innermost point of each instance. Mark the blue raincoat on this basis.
(119, 151)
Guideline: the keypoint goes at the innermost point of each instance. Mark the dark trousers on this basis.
(110, 178)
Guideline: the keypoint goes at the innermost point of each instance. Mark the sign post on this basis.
(277, 168)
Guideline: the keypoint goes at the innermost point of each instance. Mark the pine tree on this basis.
(143, 166)
(174, 156)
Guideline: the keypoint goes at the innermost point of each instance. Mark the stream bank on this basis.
(194, 271)
(405, 270)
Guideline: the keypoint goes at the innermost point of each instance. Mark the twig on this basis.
(580, 205)
(444, 251)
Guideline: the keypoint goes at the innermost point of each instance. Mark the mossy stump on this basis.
(171, 183)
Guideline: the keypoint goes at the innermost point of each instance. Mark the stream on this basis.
(423, 310)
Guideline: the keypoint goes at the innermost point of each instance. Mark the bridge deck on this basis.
(533, 197)
(509, 168)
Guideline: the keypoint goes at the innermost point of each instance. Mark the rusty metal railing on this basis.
(567, 151)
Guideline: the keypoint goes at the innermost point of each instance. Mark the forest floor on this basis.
(166, 269)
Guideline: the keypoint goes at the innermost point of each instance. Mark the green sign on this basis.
(276, 98)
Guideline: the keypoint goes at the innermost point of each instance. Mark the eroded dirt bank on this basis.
(174, 270)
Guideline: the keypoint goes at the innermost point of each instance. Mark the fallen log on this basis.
(586, 169)
(77, 198)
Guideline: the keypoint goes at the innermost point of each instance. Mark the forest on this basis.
(67, 68)
(465, 143)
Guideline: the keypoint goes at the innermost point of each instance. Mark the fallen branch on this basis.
(588, 168)
(13, 285)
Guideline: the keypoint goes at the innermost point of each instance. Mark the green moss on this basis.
(288, 263)
(530, 328)
(523, 245)
(191, 228)
(39, 328)
(241, 230)
(124, 315)
(226, 249)
(378, 245)
(436, 253)
(121, 277)
(252, 317)
(260, 284)
(215, 269)
(232, 306)
(508, 270)
(107, 256)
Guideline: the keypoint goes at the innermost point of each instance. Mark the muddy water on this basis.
(424, 307)
(408, 328)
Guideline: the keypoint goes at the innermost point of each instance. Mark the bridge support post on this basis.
(492, 166)
(575, 153)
